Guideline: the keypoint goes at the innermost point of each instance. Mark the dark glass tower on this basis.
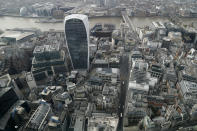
(77, 38)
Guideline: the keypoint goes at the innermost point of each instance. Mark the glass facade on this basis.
(77, 42)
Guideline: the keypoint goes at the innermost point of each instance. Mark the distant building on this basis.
(71, 87)
(49, 92)
(113, 62)
(156, 71)
(136, 55)
(100, 3)
(57, 123)
(7, 98)
(136, 106)
(101, 121)
(16, 115)
(77, 38)
(100, 63)
(148, 124)
(110, 75)
(139, 88)
(16, 36)
(30, 81)
(48, 60)
(110, 3)
(144, 32)
(7, 81)
(73, 76)
(62, 100)
(94, 84)
(157, 101)
(10, 95)
(38, 120)
(171, 75)
(193, 13)
(193, 112)
(177, 115)
(77, 124)
(188, 91)
(23, 11)
(188, 74)
(44, 9)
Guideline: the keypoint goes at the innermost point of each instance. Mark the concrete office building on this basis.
(48, 60)
(77, 38)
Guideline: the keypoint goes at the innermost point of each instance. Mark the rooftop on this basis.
(107, 70)
(188, 87)
(39, 116)
(140, 87)
(46, 48)
(99, 122)
(76, 16)
(16, 35)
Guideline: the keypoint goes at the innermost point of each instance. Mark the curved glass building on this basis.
(77, 38)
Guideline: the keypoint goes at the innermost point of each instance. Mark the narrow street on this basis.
(124, 78)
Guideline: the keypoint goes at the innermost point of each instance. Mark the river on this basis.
(7, 22)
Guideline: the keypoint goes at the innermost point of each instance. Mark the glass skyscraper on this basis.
(77, 38)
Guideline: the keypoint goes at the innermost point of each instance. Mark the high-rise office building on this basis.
(77, 38)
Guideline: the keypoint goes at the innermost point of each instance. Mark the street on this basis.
(124, 78)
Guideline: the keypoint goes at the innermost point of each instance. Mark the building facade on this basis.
(77, 38)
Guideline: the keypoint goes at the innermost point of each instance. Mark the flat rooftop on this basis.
(16, 35)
